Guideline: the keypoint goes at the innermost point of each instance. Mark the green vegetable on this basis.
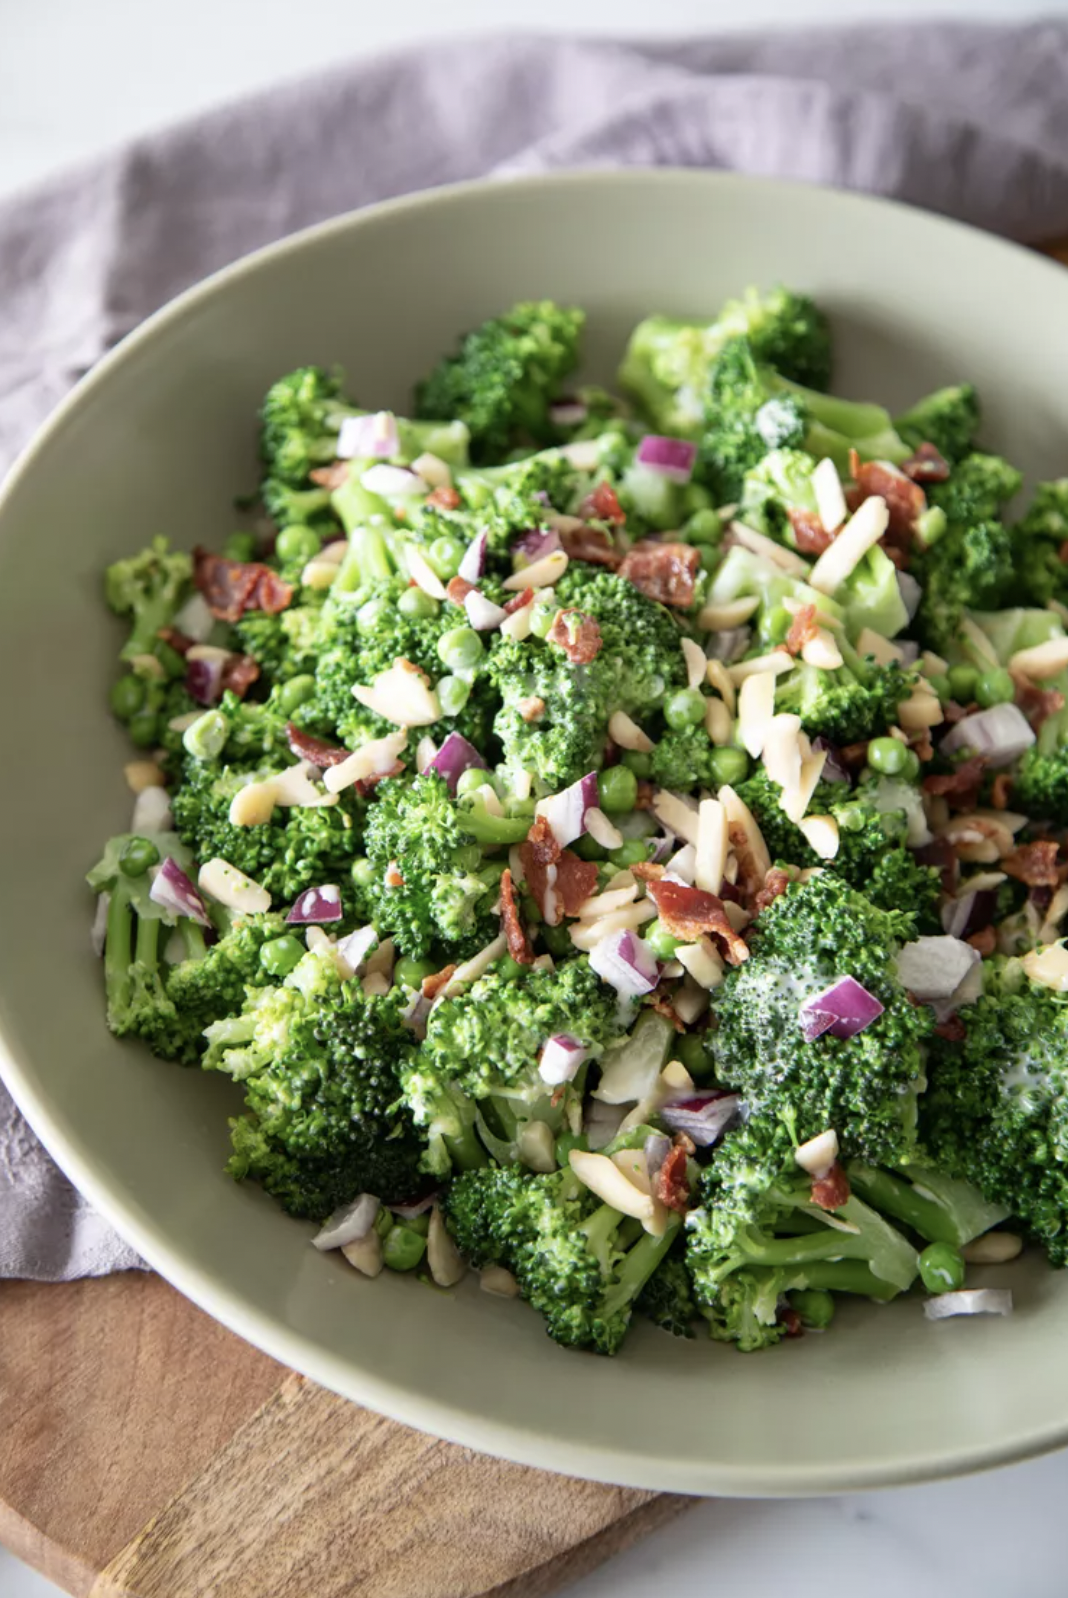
(403, 1248)
(617, 789)
(941, 1268)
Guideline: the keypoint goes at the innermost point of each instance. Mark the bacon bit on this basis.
(542, 842)
(457, 589)
(928, 465)
(591, 544)
(445, 498)
(810, 535)
(803, 629)
(1034, 863)
(921, 743)
(531, 709)
(960, 788)
(953, 1030)
(939, 854)
(905, 499)
(394, 877)
(751, 879)
(776, 882)
(954, 712)
(646, 792)
(688, 912)
(603, 505)
(830, 1192)
(1001, 790)
(986, 941)
(515, 933)
(518, 601)
(432, 985)
(788, 1317)
(572, 880)
(233, 586)
(575, 880)
(577, 634)
(315, 750)
(1037, 704)
(670, 1185)
(178, 640)
(661, 1003)
(332, 477)
(665, 572)
(855, 754)
(238, 674)
(647, 871)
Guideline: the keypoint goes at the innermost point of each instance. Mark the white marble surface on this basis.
(75, 77)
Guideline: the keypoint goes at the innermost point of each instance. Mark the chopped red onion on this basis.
(834, 769)
(910, 649)
(482, 613)
(934, 968)
(414, 1015)
(568, 413)
(172, 890)
(566, 812)
(409, 1211)
(671, 457)
(970, 913)
(1001, 734)
(970, 1301)
(363, 436)
(393, 482)
(316, 906)
(455, 757)
(349, 1223)
(729, 645)
(195, 619)
(843, 1010)
(535, 545)
(602, 1122)
(656, 1149)
(203, 679)
(560, 1059)
(474, 562)
(625, 963)
(356, 947)
(911, 594)
(704, 1116)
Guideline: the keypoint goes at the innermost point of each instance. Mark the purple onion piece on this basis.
(843, 1009)
(704, 1116)
(656, 1149)
(474, 562)
(1041, 896)
(362, 437)
(535, 545)
(203, 681)
(625, 963)
(357, 946)
(1001, 734)
(834, 768)
(172, 890)
(560, 1059)
(455, 757)
(970, 913)
(671, 457)
(566, 812)
(409, 1211)
(317, 906)
(482, 613)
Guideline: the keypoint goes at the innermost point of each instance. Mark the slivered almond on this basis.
(402, 694)
(980, 644)
(539, 574)
(702, 962)
(319, 574)
(148, 666)
(719, 723)
(433, 470)
(442, 1255)
(601, 829)
(370, 760)
(731, 613)
(737, 915)
(472, 969)
(882, 651)
(142, 774)
(719, 678)
(830, 500)
(517, 625)
(756, 710)
(690, 1001)
(775, 554)
(498, 1281)
(586, 934)
(607, 1181)
(782, 750)
(253, 805)
(293, 788)
(696, 662)
(797, 802)
(740, 815)
(819, 1153)
(922, 710)
(600, 904)
(1048, 967)
(822, 651)
(628, 735)
(712, 844)
(421, 573)
(227, 886)
(777, 663)
(1041, 660)
(676, 815)
(863, 530)
(821, 834)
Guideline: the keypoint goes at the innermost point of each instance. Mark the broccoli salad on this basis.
(612, 840)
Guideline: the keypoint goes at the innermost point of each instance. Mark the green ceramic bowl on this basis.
(157, 440)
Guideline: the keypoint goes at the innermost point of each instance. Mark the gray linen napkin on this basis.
(971, 121)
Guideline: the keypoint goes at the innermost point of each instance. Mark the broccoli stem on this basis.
(118, 950)
(490, 830)
(956, 1216)
(356, 506)
(639, 1263)
(147, 947)
(847, 1276)
(149, 616)
(193, 939)
(366, 560)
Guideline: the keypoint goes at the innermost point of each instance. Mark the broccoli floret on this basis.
(1038, 540)
(319, 1063)
(841, 706)
(995, 1110)
(507, 373)
(948, 419)
(757, 1236)
(975, 491)
(779, 483)
(667, 1297)
(210, 982)
(507, 500)
(579, 1263)
(971, 567)
(287, 643)
(299, 422)
(137, 1001)
(684, 758)
(865, 1087)
(149, 588)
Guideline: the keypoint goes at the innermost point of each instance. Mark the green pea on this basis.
(541, 619)
(565, 1143)
(709, 557)
(617, 789)
(294, 693)
(995, 688)
(941, 685)
(962, 683)
(696, 498)
(729, 766)
(557, 940)
(453, 694)
(851, 818)
(403, 1249)
(143, 728)
(911, 769)
(206, 738)
(815, 1307)
(660, 940)
(473, 778)
(136, 855)
(127, 696)
(704, 527)
(777, 624)
(888, 756)
(410, 972)
(690, 1049)
(638, 761)
(369, 617)
(510, 969)
(941, 1268)
(418, 1223)
(298, 543)
(629, 853)
(280, 955)
(172, 662)
(684, 708)
(240, 546)
(460, 649)
(587, 847)
(362, 872)
(414, 602)
(383, 1223)
(444, 557)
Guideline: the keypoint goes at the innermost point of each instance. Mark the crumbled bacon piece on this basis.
(514, 931)
(1034, 863)
(445, 498)
(985, 940)
(646, 794)
(853, 755)
(670, 1184)
(575, 880)
(1037, 704)
(940, 854)
(905, 499)
(960, 787)
(531, 709)
(559, 881)
(810, 535)
(331, 477)
(687, 913)
(603, 505)
(518, 601)
(591, 544)
(315, 750)
(953, 1030)
(776, 881)
(787, 1316)
(432, 985)
(542, 842)
(577, 634)
(1000, 790)
(830, 1192)
(239, 672)
(803, 629)
(665, 572)
(394, 877)
(751, 880)
(179, 641)
(233, 586)
(927, 465)
(647, 871)
(457, 589)
(954, 712)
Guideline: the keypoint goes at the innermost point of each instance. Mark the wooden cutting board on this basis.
(147, 1453)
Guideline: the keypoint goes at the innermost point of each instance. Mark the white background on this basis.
(78, 75)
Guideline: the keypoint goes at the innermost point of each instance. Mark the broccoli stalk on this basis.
(149, 588)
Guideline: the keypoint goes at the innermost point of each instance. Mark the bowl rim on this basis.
(456, 1423)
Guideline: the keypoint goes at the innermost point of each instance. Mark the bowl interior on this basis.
(159, 440)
